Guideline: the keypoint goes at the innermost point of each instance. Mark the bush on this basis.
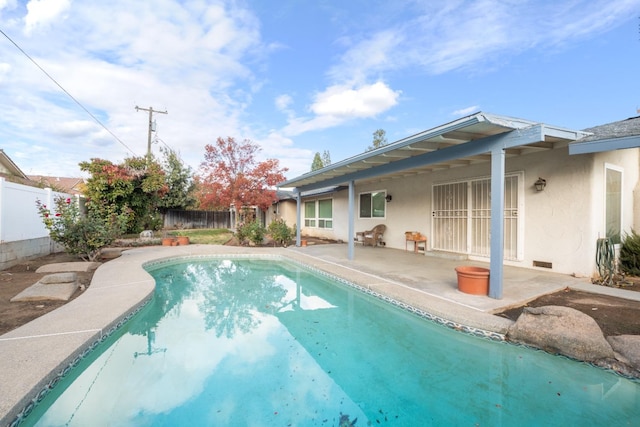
(280, 232)
(82, 235)
(630, 254)
(252, 231)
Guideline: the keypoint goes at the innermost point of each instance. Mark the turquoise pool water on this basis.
(242, 342)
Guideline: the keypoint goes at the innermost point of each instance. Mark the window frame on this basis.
(373, 196)
(317, 221)
(617, 238)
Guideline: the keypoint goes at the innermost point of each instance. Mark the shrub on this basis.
(630, 254)
(256, 232)
(280, 232)
(252, 231)
(82, 235)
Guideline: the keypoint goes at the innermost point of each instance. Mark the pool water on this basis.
(249, 342)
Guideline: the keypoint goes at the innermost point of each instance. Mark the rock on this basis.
(562, 330)
(58, 278)
(627, 348)
(146, 234)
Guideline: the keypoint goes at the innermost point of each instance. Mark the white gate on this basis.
(462, 217)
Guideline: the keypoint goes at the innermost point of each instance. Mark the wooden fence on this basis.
(175, 218)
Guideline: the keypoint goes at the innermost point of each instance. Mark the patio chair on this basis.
(371, 237)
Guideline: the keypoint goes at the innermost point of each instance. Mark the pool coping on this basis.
(122, 286)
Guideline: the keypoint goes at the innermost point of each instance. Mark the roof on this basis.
(458, 143)
(8, 168)
(611, 136)
(619, 129)
(68, 185)
(290, 195)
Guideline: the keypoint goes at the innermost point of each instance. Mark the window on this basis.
(325, 213)
(372, 205)
(319, 213)
(310, 214)
(613, 204)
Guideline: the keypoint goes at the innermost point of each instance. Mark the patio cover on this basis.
(480, 137)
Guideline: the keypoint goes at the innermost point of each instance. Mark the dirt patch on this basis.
(19, 277)
(615, 316)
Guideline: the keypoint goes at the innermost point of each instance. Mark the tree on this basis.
(82, 235)
(133, 187)
(230, 175)
(179, 180)
(326, 158)
(321, 161)
(379, 140)
(317, 162)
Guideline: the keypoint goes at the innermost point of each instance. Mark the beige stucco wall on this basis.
(560, 224)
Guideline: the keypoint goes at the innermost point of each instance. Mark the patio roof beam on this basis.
(477, 147)
(604, 145)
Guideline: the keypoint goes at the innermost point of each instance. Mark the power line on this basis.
(68, 94)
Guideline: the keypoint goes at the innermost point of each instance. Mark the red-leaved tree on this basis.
(230, 174)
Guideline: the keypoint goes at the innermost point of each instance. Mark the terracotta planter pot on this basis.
(303, 243)
(168, 241)
(473, 280)
(183, 240)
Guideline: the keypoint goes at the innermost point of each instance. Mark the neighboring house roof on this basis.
(459, 143)
(11, 171)
(611, 136)
(60, 183)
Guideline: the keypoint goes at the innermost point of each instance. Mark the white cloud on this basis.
(347, 102)
(466, 111)
(339, 103)
(42, 12)
(283, 102)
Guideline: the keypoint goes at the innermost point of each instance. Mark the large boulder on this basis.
(562, 330)
(627, 348)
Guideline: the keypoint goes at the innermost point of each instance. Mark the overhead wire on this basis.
(67, 93)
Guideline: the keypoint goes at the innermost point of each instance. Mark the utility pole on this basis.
(151, 111)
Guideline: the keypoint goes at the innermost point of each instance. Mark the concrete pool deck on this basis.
(35, 355)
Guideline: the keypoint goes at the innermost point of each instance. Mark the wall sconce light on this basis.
(540, 184)
(388, 198)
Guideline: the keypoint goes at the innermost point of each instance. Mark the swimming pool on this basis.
(258, 342)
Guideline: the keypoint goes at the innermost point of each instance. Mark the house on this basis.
(492, 188)
(67, 185)
(11, 172)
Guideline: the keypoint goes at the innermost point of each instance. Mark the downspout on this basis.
(351, 227)
(497, 222)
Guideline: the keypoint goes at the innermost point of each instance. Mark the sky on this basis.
(299, 77)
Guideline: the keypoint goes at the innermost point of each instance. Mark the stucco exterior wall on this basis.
(560, 225)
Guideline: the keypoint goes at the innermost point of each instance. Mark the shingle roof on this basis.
(619, 129)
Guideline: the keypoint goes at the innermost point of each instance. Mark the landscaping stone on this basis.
(561, 330)
(58, 278)
(627, 348)
(68, 266)
(39, 291)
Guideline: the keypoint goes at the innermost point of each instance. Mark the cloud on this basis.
(282, 102)
(364, 101)
(42, 12)
(339, 103)
(466, 111)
